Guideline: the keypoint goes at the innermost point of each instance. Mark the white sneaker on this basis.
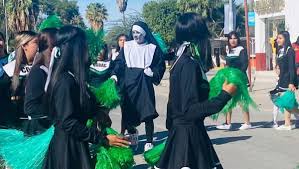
(156, 167)
(224, 127)
(284, 127)
(245, 127)
(275, 125)
(148, 146)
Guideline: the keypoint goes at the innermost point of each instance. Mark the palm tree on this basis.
(77, 20)
(96, 13)
(22, 14)
(122, 5)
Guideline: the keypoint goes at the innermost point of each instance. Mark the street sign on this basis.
(251, 19)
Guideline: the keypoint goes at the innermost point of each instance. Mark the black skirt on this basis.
(188, 145)
(35, 126)
(67, 152)
(138, 94)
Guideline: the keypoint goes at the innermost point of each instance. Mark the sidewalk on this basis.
(258, 148)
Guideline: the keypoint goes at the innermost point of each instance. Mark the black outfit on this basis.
(5, 103)
(188, 144)
(68, 148)
(237, 58)
(287, 67)
(35, 107)
(17, 98)
(137, 89)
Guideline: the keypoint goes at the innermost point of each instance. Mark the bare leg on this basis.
(287, 118)
(229, 117)
(246, 118)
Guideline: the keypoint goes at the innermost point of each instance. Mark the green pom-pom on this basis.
(121, 156)
(161, 42)
(95, 40)
(286, 101)
(153, 156)
(111, 131)
(104, 161)
(53, 21)
(89, 123)
(124, 156)
(107, 94)
(242, 97)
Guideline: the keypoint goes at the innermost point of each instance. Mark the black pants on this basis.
(149, 130)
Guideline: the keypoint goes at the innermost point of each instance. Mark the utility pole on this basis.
(247, 42)
(6, 25)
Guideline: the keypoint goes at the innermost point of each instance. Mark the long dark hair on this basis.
(3, 37)
(47, 40)
(287, 41)
(192, 28)
(117, 39)
(73, 58)
(230, 36)
(22, 39)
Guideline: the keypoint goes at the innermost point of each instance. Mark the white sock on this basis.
(275, 113)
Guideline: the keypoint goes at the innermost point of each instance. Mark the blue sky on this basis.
(133, 7)
(113, 12)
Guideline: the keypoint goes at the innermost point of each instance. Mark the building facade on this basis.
(271, 17)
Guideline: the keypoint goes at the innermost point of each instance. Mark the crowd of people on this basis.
(45, 83)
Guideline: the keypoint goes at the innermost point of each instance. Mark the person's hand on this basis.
(114, 78)
(292, 87)
(148, 71)
(229, 88)
(117, 141)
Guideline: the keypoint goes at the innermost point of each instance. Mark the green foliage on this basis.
(96, 13)
(199, 6)
(95, 43)
(65, 9)
(161, 17)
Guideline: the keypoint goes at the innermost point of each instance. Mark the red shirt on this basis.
(296, 48)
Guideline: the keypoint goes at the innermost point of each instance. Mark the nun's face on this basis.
(138, 37)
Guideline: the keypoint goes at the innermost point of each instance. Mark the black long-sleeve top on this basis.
(189, 91)
(287, 67)
(34, 104)
(69, 116)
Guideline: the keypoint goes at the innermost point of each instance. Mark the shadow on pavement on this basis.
(225, 140)
(255, 125)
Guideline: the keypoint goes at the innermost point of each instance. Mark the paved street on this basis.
(258, 148)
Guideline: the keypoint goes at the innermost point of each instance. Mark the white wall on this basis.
(292, 18)
(259, 34)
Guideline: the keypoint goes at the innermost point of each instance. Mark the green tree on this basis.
(22, 14)
(2, 24)
(65, 9)
(161, 17)
(122, 6)
(96, 13)
(78, 21)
